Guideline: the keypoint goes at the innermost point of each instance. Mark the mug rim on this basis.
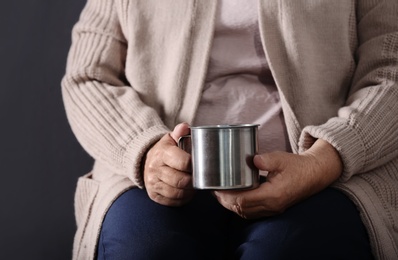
(224, 126)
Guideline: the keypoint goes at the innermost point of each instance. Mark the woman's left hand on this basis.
(291, 178)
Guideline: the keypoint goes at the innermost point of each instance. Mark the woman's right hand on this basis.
(167, 170)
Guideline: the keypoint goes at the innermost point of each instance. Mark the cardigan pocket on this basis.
(86, 191)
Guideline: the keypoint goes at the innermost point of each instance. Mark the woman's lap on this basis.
(324, 226)
(144, 229)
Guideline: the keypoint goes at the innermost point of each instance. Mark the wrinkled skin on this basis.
(291, 177)
(167, 172)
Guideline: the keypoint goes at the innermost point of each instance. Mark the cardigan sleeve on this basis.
(365, 132)
(106, 115)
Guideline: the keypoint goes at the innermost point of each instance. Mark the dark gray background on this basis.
(40, 159)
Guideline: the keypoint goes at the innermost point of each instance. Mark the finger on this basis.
(268, 161)
(255, 212)
(167, 194)
(173, 193)
(160, 191)
(246, 211)
(226, 200)
(159, 198)
(232, 203)
(247, 206)
(165, 152)
(177, 159)
(175, 178)
(180, 130)
(169, 176)
(244, 199)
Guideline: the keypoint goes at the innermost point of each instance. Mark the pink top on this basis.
(239, 87)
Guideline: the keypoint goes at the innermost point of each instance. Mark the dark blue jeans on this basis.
(325, 226)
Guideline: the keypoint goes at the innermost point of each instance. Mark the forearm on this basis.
(107, 116)
(327, 165)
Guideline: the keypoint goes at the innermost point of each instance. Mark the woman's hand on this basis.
(167, 176)
(291, 178)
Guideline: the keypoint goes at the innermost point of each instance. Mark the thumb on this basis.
(267, 162)
(180, 130)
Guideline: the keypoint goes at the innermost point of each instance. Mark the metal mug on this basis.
(222, 156)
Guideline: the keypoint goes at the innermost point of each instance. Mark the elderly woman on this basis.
(319, 77)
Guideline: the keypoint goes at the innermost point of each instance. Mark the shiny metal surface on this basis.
(222, 156)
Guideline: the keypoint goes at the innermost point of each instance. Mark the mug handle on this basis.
(184, 142)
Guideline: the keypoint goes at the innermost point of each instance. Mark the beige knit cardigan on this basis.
(137, 68)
